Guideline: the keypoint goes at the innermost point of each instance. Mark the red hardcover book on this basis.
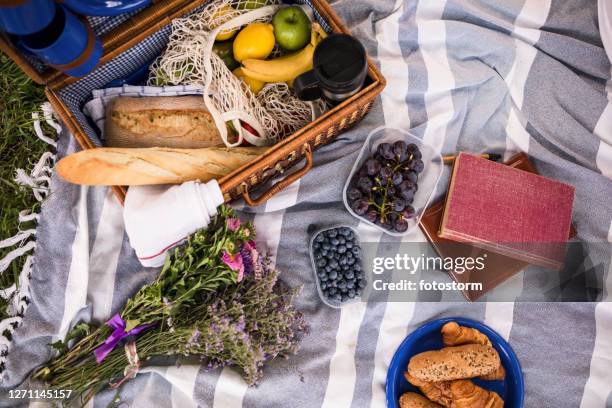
(508, 211)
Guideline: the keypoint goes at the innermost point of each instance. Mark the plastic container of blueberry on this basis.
(352, 276)
(409, 186)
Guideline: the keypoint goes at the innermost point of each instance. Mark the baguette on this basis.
(414, 400)
(160, 121)
(133, 167)
(454, 363)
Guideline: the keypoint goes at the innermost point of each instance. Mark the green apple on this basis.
(291, 28)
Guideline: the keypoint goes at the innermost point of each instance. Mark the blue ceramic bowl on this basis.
(428, 337)
(29, 17)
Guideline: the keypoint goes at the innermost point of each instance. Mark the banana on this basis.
(288, 67)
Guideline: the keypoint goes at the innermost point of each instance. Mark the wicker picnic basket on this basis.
(143, 33)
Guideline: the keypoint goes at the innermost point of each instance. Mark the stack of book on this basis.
(506, 211)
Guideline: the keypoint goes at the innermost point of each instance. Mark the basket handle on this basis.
(278, 186)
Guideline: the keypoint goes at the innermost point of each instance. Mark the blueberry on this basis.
(332, 283)
(350, 284)
(323, 278)
(343, 261)
(349, 245)
(333, 264)
(342, 240)
(349, 275)
(320, 238)
(356, 250)
(333, 275)
(344, 298)
(350, 236)
(345, 231)
(332, 233)
(332, 291)
(326, 247)
(346, 267)
(351, 261)
(321, 263)
(358, 292)
(357, 267)
(338, 297)
(334, 242)
(351, 293)
(342, 284)
(316, 245)
(341, 249)
(361, 283)
(323, 285)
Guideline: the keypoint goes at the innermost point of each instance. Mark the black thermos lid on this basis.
(340, 63)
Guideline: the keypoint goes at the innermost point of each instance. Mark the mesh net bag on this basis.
(238, 113)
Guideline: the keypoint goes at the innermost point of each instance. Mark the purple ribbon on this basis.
(119, 333)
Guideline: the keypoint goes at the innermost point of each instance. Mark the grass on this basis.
(19, 148)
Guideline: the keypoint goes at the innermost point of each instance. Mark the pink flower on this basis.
(233, 224)
(234, 262)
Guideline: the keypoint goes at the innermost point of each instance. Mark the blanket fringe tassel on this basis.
(18, 294)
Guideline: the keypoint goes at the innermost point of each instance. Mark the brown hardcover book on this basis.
(498, 268)
(508, 211)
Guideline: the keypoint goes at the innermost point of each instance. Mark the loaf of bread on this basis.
(466, 394)
(455, 335)
(414, 400)
(132, 167)
(438, 392)
(454, 363)
(160, 121)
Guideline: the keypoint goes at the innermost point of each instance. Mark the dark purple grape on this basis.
(407, 195)
(397, 178)
(391, 191)
(371, 215)
(361, 206)
(408, 212)
(353, 194)
(365, 185)
(417, 165)
(363, 172)
(400, 151)
(398, 205)
(393, 216)
(412, 148)
(385, 224)
(408, 185)
(386, 172)
(372, 167)
(400, 225)
(411, 175)
(379, 199)
(386, 151)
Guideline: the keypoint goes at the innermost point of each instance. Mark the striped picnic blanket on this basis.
(474, 75)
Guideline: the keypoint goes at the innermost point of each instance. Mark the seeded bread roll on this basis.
(160, 121)
(132, 167)
(454, 363)
(414, 400)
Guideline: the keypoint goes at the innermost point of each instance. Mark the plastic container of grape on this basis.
(427, 182)
(329, 302)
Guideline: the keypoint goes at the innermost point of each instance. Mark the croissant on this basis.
(414, 400)
(439, 392)
(455, 335)
(466, 394)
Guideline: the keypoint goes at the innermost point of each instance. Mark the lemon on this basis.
(254, 84)
(254, 41)
(218, 14)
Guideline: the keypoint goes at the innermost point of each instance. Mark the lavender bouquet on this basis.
(216, 298)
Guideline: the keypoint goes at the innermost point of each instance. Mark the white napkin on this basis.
(158, 218)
